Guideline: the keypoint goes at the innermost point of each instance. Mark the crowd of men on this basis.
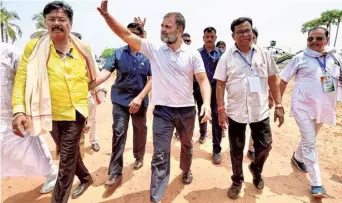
(54, 85)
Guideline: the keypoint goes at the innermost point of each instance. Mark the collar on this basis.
(69, 54)
(202, 49)
(235, 49)
(127, 48)
(183, 47)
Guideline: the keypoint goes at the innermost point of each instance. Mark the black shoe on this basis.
(96, 147)
(301, 166)
(138, 164)
(216, 158)
(234, 191)
(187, 178)
(202, 140)
(258, 182)
(80, 189)
(251, 155)
(114, 180)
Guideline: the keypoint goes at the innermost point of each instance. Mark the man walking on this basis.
(210, 55)
(246, 71)
(52, 96)
(130, 99)
(173, 66)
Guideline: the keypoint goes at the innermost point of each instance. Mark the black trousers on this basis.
(121, 118)
(215, 128)
(66, 135)
(262, 137)
(164, 121)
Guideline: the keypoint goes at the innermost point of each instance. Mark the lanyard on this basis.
(211, 56)
(322, 64)
(245, 60)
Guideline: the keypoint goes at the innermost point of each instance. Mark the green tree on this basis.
(327, 19)
(9, 29)
(338, 19)
(310, 24)
(40, 25)
(107, 53)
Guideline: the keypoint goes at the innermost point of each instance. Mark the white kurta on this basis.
(308, 98)
(28, 156)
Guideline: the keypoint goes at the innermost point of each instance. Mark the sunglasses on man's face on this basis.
(187, 40)
(319, 39)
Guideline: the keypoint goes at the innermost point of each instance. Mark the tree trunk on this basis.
(6, 36)
(338, 26)
(2, 32)
(329, 28)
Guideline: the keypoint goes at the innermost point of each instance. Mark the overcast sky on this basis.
(275, 20)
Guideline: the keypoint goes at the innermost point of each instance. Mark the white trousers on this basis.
(27, 156)
(93, 139)
(306, 151)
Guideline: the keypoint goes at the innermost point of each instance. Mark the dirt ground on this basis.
(282, 182)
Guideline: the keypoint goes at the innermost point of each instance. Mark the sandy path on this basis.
(282, 182)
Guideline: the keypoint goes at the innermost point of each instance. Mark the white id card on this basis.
(254, 84)
(327, 83)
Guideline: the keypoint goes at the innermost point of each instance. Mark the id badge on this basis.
(327, 83)
(254, 84)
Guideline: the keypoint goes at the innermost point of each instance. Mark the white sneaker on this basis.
(50, 182)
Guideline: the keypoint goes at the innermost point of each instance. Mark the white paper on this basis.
(254, 84)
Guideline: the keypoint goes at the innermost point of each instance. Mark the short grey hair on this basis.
(180, 20)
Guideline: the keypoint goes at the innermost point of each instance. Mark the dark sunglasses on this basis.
(319, 39)
(187, 40)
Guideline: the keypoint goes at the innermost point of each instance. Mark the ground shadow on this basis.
(89, 150)
(127, 174)
(336, 178)
(296, 184)
(215, 195)
(31, 196)
(171, 193)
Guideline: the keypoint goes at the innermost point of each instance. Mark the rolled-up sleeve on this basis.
(272, 68)
(198, 63)
(290, 70)
(221, 68)
(18, 95)
(147, 48)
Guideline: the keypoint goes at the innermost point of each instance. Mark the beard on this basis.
(170, 38)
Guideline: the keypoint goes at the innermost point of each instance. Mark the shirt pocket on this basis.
(143, 68)
(261, 69)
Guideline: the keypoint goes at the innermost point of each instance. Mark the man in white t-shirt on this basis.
(173, 65)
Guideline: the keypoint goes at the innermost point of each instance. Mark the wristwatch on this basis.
(279, 106)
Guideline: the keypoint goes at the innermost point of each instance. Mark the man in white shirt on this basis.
(246, 71)
(173, 66)
(318, 73)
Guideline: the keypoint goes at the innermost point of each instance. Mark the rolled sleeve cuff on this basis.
(219, 78)
(18, 108)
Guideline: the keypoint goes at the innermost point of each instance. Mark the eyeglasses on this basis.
(319, 39)
(59, 20)
(242, 32)
(187, 40)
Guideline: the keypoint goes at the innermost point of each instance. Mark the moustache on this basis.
(57, 28)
